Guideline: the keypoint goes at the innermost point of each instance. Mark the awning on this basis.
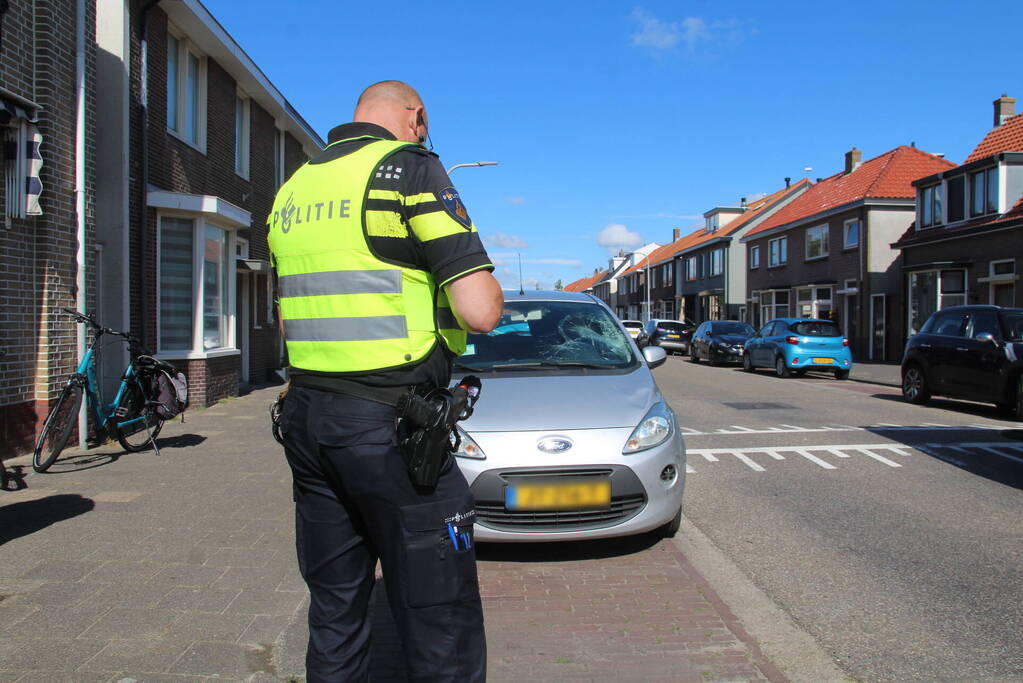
(10, 109)
(22, 157)
(254, 265)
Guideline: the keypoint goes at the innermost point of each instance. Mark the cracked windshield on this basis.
(551, 334)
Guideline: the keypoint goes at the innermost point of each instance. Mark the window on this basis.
(713, 222)
(196, 277)
(186, 92)
(278, 158)
(814, 302)
(956, 198)
(984, 192)
(754, 257)
(241, 136)
(774, 303)
(717, 261)
(15, 168)
(933, 290)
(777, 251)
(816, 242)
(930, 206)
(851, 234)
(669, 274)
(691, 268)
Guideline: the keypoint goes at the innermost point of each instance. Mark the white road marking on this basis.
(793, 429)
(879, 458)
(814, 459)
(749, 462)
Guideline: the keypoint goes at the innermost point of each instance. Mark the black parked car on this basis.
(968, 352)
(671, 335)
(720, 341)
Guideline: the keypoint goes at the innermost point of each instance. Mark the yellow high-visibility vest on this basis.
(344, 309)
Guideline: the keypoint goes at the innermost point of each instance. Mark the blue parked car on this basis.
(795, 345)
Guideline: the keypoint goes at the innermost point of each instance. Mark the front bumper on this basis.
(726, 355)
(640, 500)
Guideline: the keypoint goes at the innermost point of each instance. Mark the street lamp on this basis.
(472, 163)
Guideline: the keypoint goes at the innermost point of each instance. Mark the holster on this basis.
(426, 430)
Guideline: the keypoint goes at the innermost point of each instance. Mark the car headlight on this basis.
(468, 448)
(655, 428)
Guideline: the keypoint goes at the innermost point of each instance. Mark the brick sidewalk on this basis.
(181, 567)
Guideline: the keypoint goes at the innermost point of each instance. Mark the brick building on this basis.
(182, 144)
(966, 244)
(827, 253)
(47, 106)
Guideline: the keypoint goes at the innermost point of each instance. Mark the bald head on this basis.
(396, 106)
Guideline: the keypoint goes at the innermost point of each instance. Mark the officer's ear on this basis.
(420, 121)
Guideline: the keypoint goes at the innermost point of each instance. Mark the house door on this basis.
(878, 314)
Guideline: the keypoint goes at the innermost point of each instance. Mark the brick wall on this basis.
(176, 166)
(38, 270)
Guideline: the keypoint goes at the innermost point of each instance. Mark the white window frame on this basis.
(242, 134)
(691, 269)
(717, 262)
(845, 233)
(943, 299)
(995, 279)
(824, 231)
(815, 300)
(931, 201)
(186, 48)
(229, 347)
(754, 256)
(782, 252)
(279, 156)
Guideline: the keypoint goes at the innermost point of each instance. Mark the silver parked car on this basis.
(571, 438)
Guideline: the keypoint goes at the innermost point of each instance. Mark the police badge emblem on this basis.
(454, 206)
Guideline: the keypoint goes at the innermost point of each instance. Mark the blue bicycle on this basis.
(130, 417)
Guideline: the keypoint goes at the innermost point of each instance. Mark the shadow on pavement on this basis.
(13, 478)
(28, 517)
(565, 551)
(986, 410)
(969, 454)
(180, 441)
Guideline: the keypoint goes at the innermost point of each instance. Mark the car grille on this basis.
(627, 500)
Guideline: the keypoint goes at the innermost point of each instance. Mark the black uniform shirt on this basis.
(449, 249)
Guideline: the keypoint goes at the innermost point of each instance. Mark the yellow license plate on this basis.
(672, 336)
(823, 361)
(561, 496)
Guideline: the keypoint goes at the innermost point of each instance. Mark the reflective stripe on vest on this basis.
(343, 309)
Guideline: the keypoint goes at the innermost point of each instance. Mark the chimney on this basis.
(742, 202)
(1005, 107)
(788, 181)
(852, 160)
(675, 233)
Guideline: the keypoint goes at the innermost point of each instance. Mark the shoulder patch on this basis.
(454, 206)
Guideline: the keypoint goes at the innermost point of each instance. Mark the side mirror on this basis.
(654, 356)
(986, 337)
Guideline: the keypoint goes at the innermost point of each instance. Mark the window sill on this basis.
(177, 136)
(815, 258)
(852, 248)
(197, 355)
(243, 176)
(778, 265)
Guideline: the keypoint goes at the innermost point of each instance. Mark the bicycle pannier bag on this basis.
(170, 393)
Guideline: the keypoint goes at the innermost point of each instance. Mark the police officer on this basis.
(380, 274)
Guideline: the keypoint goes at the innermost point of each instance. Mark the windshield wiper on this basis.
(553, 364)
(471, 368)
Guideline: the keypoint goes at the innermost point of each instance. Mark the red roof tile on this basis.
(582, 284)
(1007, 137)
(890, 175)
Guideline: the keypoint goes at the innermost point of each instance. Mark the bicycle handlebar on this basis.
(86, 318)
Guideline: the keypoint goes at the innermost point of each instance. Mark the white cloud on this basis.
(515, 200)
(503, 241)
(677, 216)
(512, 259)
(661, 35)
(616, 236)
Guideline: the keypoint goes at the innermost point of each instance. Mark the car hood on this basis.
(562, 402)
(729, 338)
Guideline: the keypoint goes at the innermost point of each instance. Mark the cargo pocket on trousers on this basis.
(440, 554)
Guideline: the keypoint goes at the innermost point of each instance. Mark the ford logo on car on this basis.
(554, 445)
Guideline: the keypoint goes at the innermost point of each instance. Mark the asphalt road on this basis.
(892, 533)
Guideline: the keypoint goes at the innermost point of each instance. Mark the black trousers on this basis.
(354, 503)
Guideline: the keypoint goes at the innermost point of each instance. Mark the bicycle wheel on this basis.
(60, 422)
(134, 423)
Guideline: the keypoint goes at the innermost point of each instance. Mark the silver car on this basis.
(571, 438)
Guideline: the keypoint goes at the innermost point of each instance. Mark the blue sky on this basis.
(614, 122)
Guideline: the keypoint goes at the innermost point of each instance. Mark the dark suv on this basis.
(968, 352)
(671, 335)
